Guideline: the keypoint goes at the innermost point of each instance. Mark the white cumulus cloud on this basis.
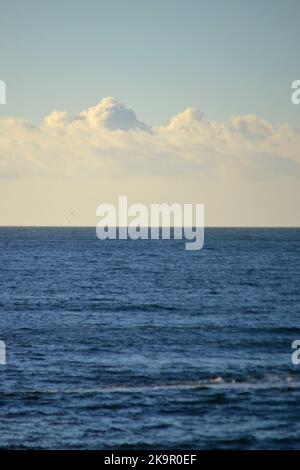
(245, 169)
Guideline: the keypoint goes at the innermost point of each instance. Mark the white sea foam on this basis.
(214, 383)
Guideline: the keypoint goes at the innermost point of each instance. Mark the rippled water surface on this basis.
(141, 344)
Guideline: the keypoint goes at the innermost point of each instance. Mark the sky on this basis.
(166, 101)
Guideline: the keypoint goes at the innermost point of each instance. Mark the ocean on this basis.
(123, 344)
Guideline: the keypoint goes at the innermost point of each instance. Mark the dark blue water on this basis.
(141, 344)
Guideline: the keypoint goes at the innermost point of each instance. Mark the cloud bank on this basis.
(245, 170)
(108, 139)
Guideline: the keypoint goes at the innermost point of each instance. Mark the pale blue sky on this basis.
(159, 57)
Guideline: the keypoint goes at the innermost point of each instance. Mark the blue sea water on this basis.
(141, 344)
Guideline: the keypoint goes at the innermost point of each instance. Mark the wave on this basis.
(215, 382)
